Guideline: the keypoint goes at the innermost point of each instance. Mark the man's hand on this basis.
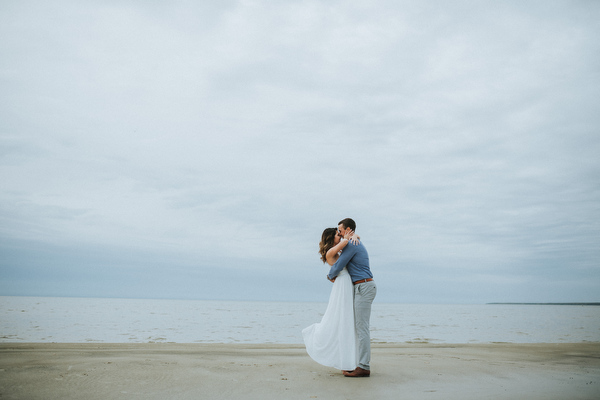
(331, 280)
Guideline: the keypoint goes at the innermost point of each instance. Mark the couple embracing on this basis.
(342, 339)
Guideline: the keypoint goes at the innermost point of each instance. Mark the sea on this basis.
(102, 320)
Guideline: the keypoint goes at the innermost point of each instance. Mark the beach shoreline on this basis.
(274, 371)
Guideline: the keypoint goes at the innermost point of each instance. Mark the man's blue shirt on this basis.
(356, 259)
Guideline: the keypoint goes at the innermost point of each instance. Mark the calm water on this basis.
(51, 319)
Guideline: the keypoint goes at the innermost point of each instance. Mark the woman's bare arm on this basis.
(332, 252)
(331, 255)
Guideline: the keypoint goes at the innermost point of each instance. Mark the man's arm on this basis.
(345, 257)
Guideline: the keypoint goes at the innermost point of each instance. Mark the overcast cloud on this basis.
(198, 149)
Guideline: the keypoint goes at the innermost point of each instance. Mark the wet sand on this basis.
(235, 371)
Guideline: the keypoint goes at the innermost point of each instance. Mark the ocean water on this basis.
(79, 320)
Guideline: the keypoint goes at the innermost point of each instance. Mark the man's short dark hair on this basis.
(348, 223)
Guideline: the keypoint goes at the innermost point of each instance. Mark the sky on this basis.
(197, 150)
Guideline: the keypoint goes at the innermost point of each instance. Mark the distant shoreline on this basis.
(552, 304)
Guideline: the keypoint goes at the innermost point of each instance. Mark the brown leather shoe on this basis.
(358, 373)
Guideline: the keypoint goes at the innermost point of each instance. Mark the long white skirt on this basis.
(332, 342)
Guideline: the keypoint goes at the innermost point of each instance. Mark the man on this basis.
(355, 258)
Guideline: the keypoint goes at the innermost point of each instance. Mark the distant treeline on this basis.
(553, 304)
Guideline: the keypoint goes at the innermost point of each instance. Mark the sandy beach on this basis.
(231, 371)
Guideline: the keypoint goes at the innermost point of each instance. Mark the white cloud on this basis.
(461, 137)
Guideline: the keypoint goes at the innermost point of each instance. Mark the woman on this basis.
(332, 342)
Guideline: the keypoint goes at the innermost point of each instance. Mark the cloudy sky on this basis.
(197, 150)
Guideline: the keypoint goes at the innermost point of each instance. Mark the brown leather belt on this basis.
(363, 281)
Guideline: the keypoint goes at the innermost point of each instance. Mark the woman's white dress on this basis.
(332, 342)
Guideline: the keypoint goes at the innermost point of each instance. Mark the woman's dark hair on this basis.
(327, 242)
